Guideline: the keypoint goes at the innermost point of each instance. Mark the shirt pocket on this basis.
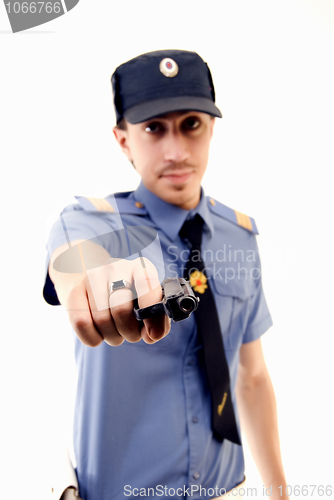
(232, 301)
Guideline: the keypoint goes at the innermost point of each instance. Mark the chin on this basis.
(183, 200)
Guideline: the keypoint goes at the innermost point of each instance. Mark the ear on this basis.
(122, 139)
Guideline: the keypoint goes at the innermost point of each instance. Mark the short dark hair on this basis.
(122, 125)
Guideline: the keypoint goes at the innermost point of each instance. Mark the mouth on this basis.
(177, 177)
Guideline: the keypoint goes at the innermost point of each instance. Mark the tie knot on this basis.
(192, 230)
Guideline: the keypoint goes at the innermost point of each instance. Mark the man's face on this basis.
(170, 154)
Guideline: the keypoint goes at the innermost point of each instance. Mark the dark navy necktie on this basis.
(223, 419)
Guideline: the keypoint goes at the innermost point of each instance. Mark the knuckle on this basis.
(120, 311)
(80, 322)
(148, 280)
(144, 263)
(110, 265)
(84, 328)
(102, 321)
(145, 260)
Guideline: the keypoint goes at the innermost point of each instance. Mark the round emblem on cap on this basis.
(168, 67)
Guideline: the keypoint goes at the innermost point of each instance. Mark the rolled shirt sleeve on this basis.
(259, 320)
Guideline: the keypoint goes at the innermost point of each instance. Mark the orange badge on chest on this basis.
(198, 281)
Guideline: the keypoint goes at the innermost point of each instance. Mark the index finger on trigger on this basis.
(149, 292)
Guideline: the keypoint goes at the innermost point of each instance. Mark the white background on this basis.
(272, 156)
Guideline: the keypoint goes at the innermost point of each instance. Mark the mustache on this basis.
(175, 168)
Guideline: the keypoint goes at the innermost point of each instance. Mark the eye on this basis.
(154, 127)
(191, 123)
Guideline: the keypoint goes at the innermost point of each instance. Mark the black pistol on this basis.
(178, 301)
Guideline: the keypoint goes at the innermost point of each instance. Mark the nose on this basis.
(175, 147)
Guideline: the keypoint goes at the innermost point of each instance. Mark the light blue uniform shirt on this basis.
(143, 412)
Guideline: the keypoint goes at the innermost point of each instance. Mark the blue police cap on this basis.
(161, 82)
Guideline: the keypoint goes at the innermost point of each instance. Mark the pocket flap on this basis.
(229, 285)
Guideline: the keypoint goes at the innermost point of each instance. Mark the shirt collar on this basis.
(170, 218)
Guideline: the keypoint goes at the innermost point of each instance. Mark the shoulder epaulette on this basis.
(114, 203)
(234, 216)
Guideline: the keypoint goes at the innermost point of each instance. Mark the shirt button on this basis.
(192, 362)
(195, 420)
(196, 475)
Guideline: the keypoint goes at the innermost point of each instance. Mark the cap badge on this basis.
(168, 67)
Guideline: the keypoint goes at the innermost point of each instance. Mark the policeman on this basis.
(158, 403)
